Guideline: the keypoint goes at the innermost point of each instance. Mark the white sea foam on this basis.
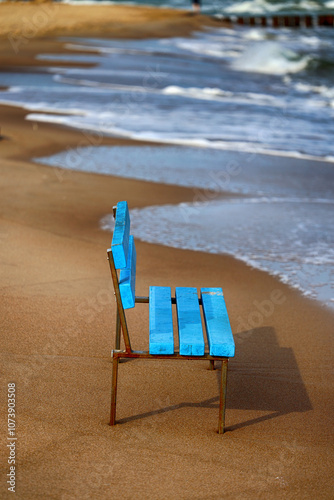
(108, 49)
(205, 47)
(255, 34)
(318, 95)
(15, 89)
(82, 48)
(313, 41)
(217, 94)
(254, 6)
(318, 89)
(197, 93)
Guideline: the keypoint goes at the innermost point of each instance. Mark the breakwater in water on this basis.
(291, 21)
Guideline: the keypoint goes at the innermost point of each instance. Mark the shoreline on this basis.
(57, 319)
(78, 138)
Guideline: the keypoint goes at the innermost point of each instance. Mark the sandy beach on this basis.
(57, 317)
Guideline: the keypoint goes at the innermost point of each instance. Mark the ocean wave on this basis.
(206, 93)
(217, 94)
(320, 66)
(271, 58)
(161, 138)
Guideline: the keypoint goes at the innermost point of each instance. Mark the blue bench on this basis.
(191, 340)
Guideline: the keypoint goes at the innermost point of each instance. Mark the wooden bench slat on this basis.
(218, 327)
(189, 321)
(120, 240)
(127, 277)
(161, 321)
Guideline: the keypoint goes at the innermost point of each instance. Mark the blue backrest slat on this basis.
(161, 321)
(220, 338)
(120, 240)
(191, 339)
(127, 277)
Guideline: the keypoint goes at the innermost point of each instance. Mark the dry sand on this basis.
(36, 20)
(57, 319)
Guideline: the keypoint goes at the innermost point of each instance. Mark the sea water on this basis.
(244, 117)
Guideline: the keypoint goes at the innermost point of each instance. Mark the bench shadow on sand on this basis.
(262, 377)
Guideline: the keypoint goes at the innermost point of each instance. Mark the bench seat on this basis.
(191, 334)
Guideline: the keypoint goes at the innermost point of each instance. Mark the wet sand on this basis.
(57, 319)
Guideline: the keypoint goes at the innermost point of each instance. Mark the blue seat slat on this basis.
(191, 341)
(217, 324)
(161, 321)
(120, 240)
(127, 277)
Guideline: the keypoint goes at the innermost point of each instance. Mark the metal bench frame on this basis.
(128, 352)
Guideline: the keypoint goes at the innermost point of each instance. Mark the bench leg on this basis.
(222, 398)
(212, 364)
(114, 391)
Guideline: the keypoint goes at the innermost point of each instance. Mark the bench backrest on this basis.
(124, 254)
